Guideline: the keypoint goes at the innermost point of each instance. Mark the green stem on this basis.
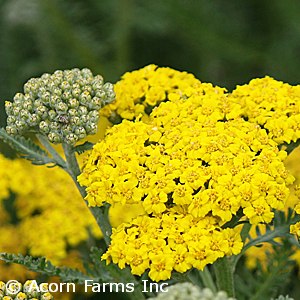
(207, 279)
(99, 213)
(58, 159)
(224, 274)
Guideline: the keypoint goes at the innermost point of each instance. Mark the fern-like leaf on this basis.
(26, 148)
(43, 266)
(83, 147)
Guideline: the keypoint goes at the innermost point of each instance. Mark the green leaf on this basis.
(43, 266)
(26, 148)
(289, 148)
(83, 147)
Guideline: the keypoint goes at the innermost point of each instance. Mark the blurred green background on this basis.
(224, 42)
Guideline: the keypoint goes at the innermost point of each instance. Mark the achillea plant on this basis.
(198, 170)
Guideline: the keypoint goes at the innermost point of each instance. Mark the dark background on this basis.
(224, 42)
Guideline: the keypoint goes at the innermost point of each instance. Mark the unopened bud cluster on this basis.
(63, 106)
(183, 291)
(17, 291)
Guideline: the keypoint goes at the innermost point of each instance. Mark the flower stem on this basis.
(224, 274)
(58, 159)
(99, 213)
(207, 279)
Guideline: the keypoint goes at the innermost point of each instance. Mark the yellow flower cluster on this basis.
(173, 241)
(272, 104)
(139, 91)
(51, 215)
(46, 223)
(189, 159)
(261, 254)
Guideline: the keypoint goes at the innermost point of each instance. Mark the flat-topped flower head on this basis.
(193, 169)
(139, 91)
(63, 106)
(184, 158)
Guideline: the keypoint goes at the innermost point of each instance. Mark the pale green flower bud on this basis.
(54, 137)
(61, 107)
(76, 120)
(80, 132)
(73, 103)
(72, 138)
(53, 101)
(42, 111)
(44, 127)
(52, 115)
(82, 110)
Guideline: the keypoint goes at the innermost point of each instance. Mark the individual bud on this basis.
(44, 127)
(42, 111)
(86, 73)
(56, 92)
(54, 126)
(16, 110)
(97, 82)
(61, 107)
(21, 124)
(18, 98)
(52, 115)
(33, 120)
(9, 107)
(24, 114)
(91, 128)
(93, 116)
(7, 298)
(45, 98)
(66, 95)
(80, 132)
(95, 103)
(63, 119)
(71, 138)
(83, 119)
(72, 112)
(37, 103)
(76, 120)
(59, 73)
(87, 88)
(73, 103)
(65, 85)
(54, 137)
(76, 92)
(82, 110)
(11, 120)
(100, 94)
(85, 98)
(28, 105)
(66, 129)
